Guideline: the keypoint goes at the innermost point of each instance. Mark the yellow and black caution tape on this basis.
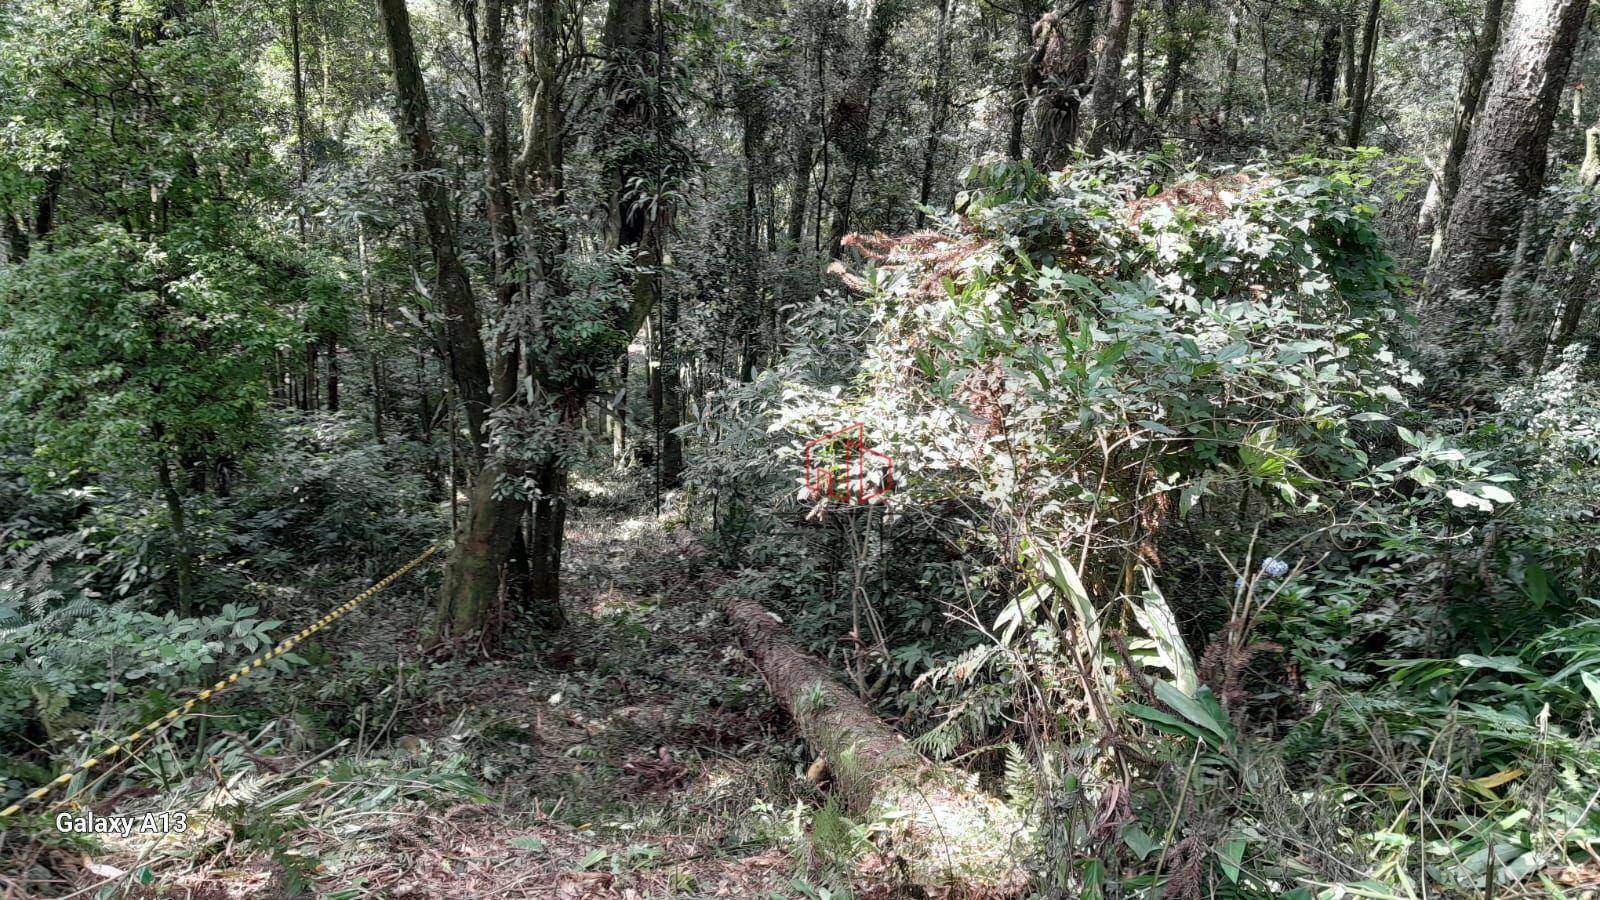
(173, 714)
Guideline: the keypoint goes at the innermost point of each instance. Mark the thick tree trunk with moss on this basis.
(475, 579)
(1060, 67)
(1502, 170)
(1106, 97)
(944, 833)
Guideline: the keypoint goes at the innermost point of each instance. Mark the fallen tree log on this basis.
(948, 838)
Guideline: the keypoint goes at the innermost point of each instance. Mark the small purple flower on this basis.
(1274, 567)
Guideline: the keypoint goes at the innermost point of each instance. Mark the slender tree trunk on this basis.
(472, 590)
(669, 412)
(1468, 101)
(183, 567)
(619, 414)
(310, 399)
(1362, 92)
(939, 109)
(1106, 96)
(1502, 170)
(469, 367)
(299, 116)
(1026, 82)
(1230, 67)
(804, 148)
(805, 155)
(331, 351)
(1349, 26)
(853, 123)
(374, 341)
(1178, 48)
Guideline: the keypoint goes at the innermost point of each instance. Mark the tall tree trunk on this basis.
(1230, 66)
(1502, 170)
(1468, 100)
(806, 134)
(331, 351)
(1062, 64)
(1349, 26)
(1327, 75)
(1361, 91)
(1026, 81)
(183, 567)
(805, 156)
(939, 109)
(1325, 82)
(301, 151)
(1106, 96)
(309, 400)
(633, 42)
(669, 413)
(853, 116)
(469, 368)
(1178, 47)
(472, 589)
(375, 315)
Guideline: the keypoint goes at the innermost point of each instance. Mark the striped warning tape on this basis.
(173, 714)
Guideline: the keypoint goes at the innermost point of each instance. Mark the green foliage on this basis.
(120, 347)
(1094, 386)
(108, 668)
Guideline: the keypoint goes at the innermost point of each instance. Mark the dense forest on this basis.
(799, 449)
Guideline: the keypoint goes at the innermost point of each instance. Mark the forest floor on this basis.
(634, 754)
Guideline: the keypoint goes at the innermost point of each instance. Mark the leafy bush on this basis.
(1131, 414)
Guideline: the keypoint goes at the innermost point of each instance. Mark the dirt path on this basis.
(634, 755)
(637, 755)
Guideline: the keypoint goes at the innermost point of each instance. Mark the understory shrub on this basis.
(1158, 508)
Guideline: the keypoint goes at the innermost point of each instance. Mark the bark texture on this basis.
(1106, 98)
(480, 562)
(1503, 167)
(1060, 69)
(940, 110)
(469, 368)
(1361, 89)
(1442, 194)
(948, 835)
(852, 116)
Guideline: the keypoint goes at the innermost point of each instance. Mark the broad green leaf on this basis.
(1202, 710)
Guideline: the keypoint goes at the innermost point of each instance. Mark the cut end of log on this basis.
(945, 836)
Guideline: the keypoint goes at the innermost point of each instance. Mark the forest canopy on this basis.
(799, 448)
